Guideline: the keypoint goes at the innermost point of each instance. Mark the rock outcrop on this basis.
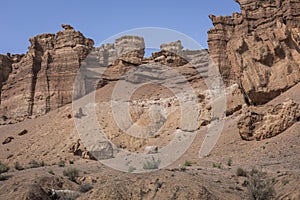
(258, 48)
(5, 70)
(78, 149)
(42, 79)
(260, 125)
(130, 49)
(175, 47)
(6, 62)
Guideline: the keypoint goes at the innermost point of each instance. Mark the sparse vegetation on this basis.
(71, 162)
(183, 168)
(18, 166)
(153, 164)
(85, 188)
(187, 163)
(61, 163)
(42, 164)
(285, 182)
(3, 168)
(71, 173)
(229, 162)
(51, 172)
(260, 186)
(241, 172)
(217, 165)
(4, 178)
(35, 164)
(131, 169)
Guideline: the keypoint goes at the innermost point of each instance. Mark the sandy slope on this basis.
(49, 137)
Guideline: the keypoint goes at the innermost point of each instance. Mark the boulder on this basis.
(260, 125)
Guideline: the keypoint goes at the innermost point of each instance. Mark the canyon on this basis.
(256, 53)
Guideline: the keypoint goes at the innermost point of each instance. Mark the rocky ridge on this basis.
(258, 48)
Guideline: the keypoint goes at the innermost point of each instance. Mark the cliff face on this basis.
(43, 78)
(258, 48)
(5, 70)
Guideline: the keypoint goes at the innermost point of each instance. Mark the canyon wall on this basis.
(259, 48)
(43, 78)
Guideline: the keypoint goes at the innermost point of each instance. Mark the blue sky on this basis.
(100, 20)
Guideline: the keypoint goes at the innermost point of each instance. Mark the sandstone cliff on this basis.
(42, 79)
(258, 48)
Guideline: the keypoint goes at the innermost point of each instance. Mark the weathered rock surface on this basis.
(261, 125)
(259, 47)
(5, 70)
(6, 62)
(43, 79)
(129, 49)
(78, 149)
(174, 47)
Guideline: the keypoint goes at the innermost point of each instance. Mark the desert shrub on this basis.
(260, 186)
(182, 168)
(241, 172)
(85, 188)
(153, 164)
(61, 163)
(229, 162)
(35, 164)
(3, 168)
(187, 163)
(131, 169)
(71, 162)
(18, 166)
(217, 165)
(71, 173)
(42, 164)
(51, 172)
(4, 177)
(285, 182)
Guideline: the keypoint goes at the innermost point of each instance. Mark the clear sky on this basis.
(101, 19)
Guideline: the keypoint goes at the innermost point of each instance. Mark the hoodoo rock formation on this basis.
(42, 79)
(258, 48)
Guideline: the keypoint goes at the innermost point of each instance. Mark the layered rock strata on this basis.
(258, 48)
(43, 78)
